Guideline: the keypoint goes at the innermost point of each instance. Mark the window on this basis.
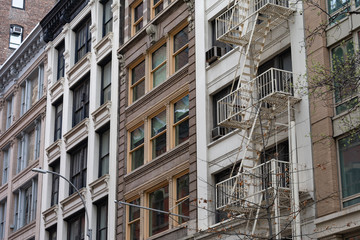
(133, 222)
(78, 168)
(182, 198)
(25, 200)
(357, 3)
(137, 79)
(83, 40)
(107, 16)
(159, 130)
(104, 153)
(158, 134)
(76, 227)
(156, 7)
(55, 184)
(5, 170)
(180, 49)
(60, 61)
(9, 111)
(16, 35)
(344, 87)
(349, 152)
(225, 47)
(81, 102)
(32, 89)
(181, 120)
(219, 177)
(2, 218)
(106, 83)
(58, 121)
(158, 66)
(137, 17)
(18, 4)
(137, 148)
(337, 9)
(158, 199)
(29, 146)
(101, 221)
(52, 233)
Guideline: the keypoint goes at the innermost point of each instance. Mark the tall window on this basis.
(16, 36)
(81, 102)
(32, 89)
(25, 201)
(106, 83)
(159, 199)
(156, 7)
(349, 152)
(137, 88)
(9, 111)
(18, 4)
(58, 121)
(180, 49)
(181, 120)
(2, 218)
(158, 134)
(5, 170)
(78, 168)
(137, 147)
(83, 40)
(158, 66)
(133, 223)
(107, 16)
(60, 61)
(101, 221)
(104, 153)
(55, 184)
(76, 227)
(182, 197)
(52, 233)
(338, 9)
(137, 17)
(29, 146)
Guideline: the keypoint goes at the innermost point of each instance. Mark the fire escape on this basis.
(260, 107)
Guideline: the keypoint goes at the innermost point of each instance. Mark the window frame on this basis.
(83, 30)
(140, 20)
(106, 3)
(128, 222)
(13, 45)
(99, 206)
(138, 82)
(5, 166)
(55, 184)
(108, 86)
(105, 157)
(83, 109)
(142, 145)
(58, 117)
(9, 111)
(78, 177)
(23, 5)
(81, 230)
(181, 27)
(163, 132)
(60, 61)
(152, 70)
(176, 201)
(154, 6)
(175, 124)
(3, 210)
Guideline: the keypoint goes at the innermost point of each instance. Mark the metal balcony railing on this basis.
(258, 4)
(230, 106)
(237, 190)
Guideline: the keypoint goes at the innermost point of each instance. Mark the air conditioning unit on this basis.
(218, 132)
(213, 54)
(16, 30)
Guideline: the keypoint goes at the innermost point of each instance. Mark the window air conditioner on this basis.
(213, 54)
(16, 30)
(218, 132)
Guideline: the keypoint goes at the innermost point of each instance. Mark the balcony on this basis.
(241, 192)
(274, 87)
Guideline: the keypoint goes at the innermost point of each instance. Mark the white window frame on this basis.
(2, 218)
(5, 169)
(9, 111)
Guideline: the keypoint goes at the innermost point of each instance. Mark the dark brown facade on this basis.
(157, 132)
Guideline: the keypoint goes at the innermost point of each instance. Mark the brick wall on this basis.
(28, 17)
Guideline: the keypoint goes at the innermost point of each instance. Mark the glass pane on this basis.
(137, 137)
(134, 212)
(181, 109)
(103, 216)
(159, 56)
(107, 11)
(34, 89)
(159, 199)
(159, 75)
(138, 11)
(159, 7)
(182, 186)
(31, 144)
(138, 72)
(18, 3)
(135, 231)
(181, 59)
(158, 123)
(106, 94)
(137, 158)
(349, 152)
(183, 209)
(107, 74)
(182, 132)
(139, 90)
(159, 145)
(180, 39)
(105, 143)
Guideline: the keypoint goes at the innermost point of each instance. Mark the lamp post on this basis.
(42, 171)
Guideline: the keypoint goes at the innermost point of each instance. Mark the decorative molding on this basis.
(76, 134)
(100, 187)
(191, 8)
(122, 73)
(151, 31)
(81, 68)
(104, 47)
(114, 9)
(56, 89)
(73, 203)
(53, 151)
(50, 216)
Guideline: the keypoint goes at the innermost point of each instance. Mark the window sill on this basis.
(100, 187)
(80, 69)
(73, 203)
(3, 189)
(16, 181)
(76, 134)
(169, 231)
(28, 229)
(50, 216)
(53, 151)
(56, 89)
(104, 46)
(340, 121)
(101, 115)
(222, 58)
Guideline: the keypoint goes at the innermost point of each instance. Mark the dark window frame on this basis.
(99, 229)
(81, 230)
(83, 31)
(60, 61)
(103, 87)
(79, 160)
(83, 109)
(109, 21)
(55, 183)
(58, 121)
(106, 156)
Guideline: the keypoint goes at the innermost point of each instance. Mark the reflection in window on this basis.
(158, 66)
(134, 220)
(159, 199)
(181, 120)
(137, 147)
(182, 197)
(181, 49)
(158, 134)
(138, 81)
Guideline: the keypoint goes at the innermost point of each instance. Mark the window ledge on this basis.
(101, 115)
(16, 182)
(79, 69)
(3, 190)
(56, 89)
(73, 203)
(53, 151)
(104, 46)
(76, 134)
(340, 122)
(28, 229)
(100, 187)
(169, 231)
(50, 216)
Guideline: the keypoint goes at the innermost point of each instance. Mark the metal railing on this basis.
(238, 190)
(258, 4)
(230, 106)
(229, 21)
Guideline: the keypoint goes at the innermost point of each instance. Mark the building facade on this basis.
(23, 108)
(334, 121)
(80, 140)
(17, 20)
(157, 130)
